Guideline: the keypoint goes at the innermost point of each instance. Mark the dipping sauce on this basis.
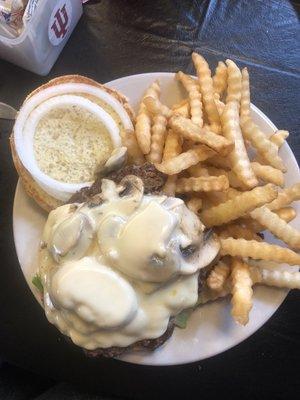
(70, 144)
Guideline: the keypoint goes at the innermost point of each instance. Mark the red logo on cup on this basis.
(59, 22)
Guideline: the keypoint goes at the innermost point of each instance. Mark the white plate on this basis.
(211, 329)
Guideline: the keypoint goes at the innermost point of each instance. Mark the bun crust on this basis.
(43, 199)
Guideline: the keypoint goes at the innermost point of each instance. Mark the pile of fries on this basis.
(203, 145)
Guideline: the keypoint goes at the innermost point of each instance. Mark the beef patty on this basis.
(153, 182)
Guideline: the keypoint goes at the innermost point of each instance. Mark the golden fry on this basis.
(217, 198)
(207, 91)
(173, 148)
(278, 278)
(192, 87)
(237, 231)
(143, 120)
(261, 143)
(277, 226)
(287, 196)
(219, 104)
(194, 204)
(234, 181)
(217, 277)
(134, 152)
(238, 206)
(220, 78)
(238, 157)
(154, 106)
(143, 129)
(245, 98)
(198, 170)
(183, 110)
(234, 82)
(286, 213)
(279, 137)
(159, 131)
(241, 292)
(219, 162)
(202, 184)
(258, 251)
(173, 145)
(185, 160)
(206, 294)
(268, 174)
(190, 131)
(153, 90)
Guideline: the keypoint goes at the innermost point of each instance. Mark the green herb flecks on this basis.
(182, 318)
(37, 282)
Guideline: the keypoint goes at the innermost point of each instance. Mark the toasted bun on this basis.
(42, 198)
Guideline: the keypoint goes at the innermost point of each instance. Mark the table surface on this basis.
(118, 38)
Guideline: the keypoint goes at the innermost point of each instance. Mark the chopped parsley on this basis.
(37, 282)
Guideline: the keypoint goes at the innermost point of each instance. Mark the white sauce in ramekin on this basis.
(69, 94)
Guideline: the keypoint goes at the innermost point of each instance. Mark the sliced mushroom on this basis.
(209, 251)
(116, 161)
(191, 226)
(131, 190)
(71, 238)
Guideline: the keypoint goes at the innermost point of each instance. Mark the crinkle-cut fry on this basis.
(159, 131)
(268, 174)
(278, 278)
(182, 103)
(245, 98)
(198, 170)
(153, 90)
(183, 110)
(287, 196)
(238, 157)
(188, 130)
(217, 277)
(232, 178)
(207, 91)
(155, 106)
(287, 214)
(238, 206)
(219, 104)
(279, 137)
(192, 87)
(236, 232)
(277, 226)
(169, 187)
(143, 119)
(219, 162)
(258, 251)
(143, 129)
(129, 140)
(202, 184)
(267, 149)
(206, 294)
(220, 78)
(194, 204)
(185, 160)
(234, 82)
(173, 145)
(242, 291)
(187, 144)
(217, 198)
